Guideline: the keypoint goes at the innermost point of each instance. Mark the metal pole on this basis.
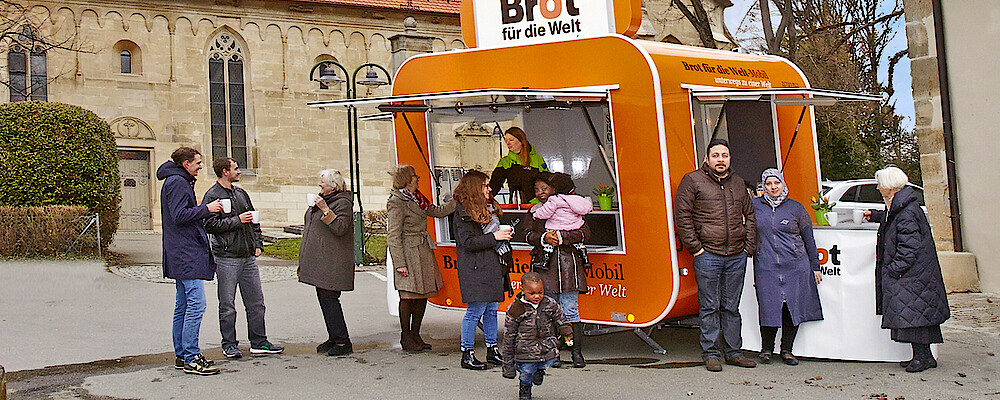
(97, 217)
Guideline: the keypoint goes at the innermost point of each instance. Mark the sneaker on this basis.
(231, 351)
(200, 367)
(266, 348)
(325, 346)
(200, 357)
(178, 362)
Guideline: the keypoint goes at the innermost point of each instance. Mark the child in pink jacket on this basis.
(563, 211)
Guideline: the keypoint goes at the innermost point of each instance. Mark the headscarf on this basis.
(416, 197)
(774, 202)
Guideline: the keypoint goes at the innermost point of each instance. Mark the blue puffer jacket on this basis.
(186, 253)
(909, 289)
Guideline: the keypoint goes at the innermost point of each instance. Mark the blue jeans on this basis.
(570, 304)
(527, 370)
(476, 311)
(244, 274)
(720, 286)
(188, 310)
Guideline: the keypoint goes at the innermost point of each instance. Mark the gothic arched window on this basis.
(227, 98)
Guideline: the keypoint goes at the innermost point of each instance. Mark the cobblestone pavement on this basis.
(974, 312)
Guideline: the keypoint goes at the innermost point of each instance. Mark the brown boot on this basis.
(420, 341)
(408, 343)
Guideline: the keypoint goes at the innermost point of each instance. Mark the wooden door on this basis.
(133, 166)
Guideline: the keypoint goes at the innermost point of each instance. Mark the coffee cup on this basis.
(311, 199)
(503, 227)
(255, 217)
(859, 216)
(831, 218)
(227, 205)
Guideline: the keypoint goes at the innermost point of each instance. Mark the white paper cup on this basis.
(311, 199)
(831, 218)
(502, 227)
(255, 217)
(859, 216)
(227, 205)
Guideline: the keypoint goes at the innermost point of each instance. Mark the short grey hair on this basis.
(333, 178)
(891, 178)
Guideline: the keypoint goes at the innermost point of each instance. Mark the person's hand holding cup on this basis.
(214, 206)
(505, 232)
(246, 217)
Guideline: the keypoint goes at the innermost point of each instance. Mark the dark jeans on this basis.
(720, 286)
(333, 314)
(242, 273)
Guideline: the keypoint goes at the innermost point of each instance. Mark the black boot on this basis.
(576, 350)
(493, 355)
(525, 392)
(582, 250)
(557, 363)
(469, 361)
(541, 263)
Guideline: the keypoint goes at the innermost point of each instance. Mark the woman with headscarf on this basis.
(786, 267)
(417, 276)
(909, 289)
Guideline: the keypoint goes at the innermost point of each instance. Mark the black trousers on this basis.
(788, 332)
(333, 314)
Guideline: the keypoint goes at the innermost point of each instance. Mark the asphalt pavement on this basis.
(79, 329)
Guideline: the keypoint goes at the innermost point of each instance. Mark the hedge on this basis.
(59, 154)
(45, 231)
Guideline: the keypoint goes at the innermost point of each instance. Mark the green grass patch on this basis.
(285, 249)
(288, 249)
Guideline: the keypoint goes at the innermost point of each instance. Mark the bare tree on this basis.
(31, 35)
(699, 19)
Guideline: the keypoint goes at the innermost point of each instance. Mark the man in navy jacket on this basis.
(186, 255)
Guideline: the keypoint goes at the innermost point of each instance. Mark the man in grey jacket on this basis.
(236, 242)
(716, 223)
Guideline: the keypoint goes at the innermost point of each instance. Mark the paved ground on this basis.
(77, 330)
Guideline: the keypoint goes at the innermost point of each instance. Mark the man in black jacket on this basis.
(236, 242)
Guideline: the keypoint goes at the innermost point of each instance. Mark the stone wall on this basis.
(281, 40)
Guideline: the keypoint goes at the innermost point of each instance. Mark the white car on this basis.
(859, 194)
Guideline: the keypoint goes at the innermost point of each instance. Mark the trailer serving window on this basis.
(570, 129)
(746, 118)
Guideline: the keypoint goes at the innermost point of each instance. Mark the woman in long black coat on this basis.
(484, 259)
(909, 289)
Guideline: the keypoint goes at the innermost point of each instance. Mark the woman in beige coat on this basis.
(417, 276)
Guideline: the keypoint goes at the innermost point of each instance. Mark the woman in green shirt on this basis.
(519, 167)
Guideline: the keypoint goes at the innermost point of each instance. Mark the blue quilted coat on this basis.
(909, 290)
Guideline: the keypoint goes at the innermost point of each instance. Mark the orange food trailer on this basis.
(605, 109)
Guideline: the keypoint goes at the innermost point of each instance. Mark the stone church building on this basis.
(232, 78)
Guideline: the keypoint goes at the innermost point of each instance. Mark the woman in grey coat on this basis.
(326, 256)
(417, 276)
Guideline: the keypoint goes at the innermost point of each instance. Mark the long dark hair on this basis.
(469, 193)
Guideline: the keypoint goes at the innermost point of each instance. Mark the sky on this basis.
(902, 81)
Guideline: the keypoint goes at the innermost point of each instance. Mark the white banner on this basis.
(850, 330)
(505, 23)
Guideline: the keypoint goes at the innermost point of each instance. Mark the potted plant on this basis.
(604, 195)
(822, 205)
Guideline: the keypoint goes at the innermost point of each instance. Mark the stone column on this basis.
(959, 269)
(408, 44)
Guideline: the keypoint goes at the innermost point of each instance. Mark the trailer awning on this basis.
(780, 96)
(498, 97)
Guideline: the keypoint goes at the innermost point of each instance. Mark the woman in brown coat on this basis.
(417, 275)
(326, 256)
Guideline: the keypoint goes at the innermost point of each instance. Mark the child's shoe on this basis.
(538, 377)
(582, 250)
(525, 392)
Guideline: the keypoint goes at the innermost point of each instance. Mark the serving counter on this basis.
(850, 329)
